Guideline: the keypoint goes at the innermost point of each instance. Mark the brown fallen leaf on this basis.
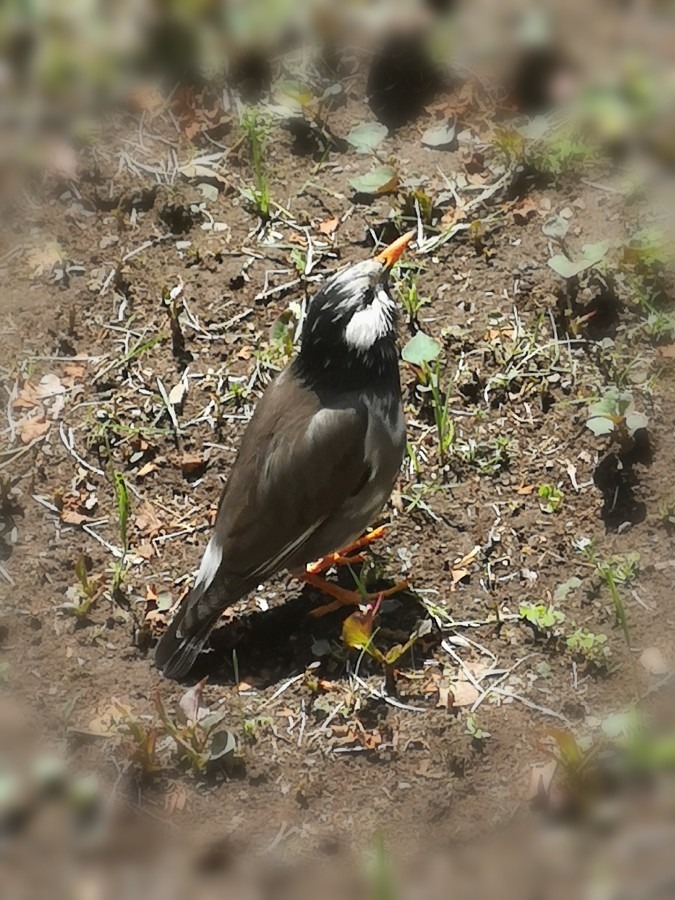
(523, 490)
(145, 550)
(108, 718)
(328, 226)
(464, 693)
(541, 781)
(667, 351)
(30, 429)
(74, 371)
(146, 470)
(499, 334)
(73, 516)
(27, 398)
(175, 800)
(524, 211)
(193, 463)
(147, 521)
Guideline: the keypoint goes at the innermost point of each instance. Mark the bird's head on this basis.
(353, 316)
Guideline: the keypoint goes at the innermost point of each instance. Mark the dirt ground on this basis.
(134, 278)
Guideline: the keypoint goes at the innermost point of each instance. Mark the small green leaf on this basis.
(380, 180)
(600, 425)
(367, 137)
(556, 227)
(283, 329)
(439, 135)
(635, 421)
(357, 630)
(567, 587)
(421, 349)
(591, 254)
(568, 268)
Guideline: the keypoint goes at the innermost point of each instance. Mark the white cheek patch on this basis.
(368, 325)
(209, 564)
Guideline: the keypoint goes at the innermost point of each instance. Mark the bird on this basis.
(317, 462)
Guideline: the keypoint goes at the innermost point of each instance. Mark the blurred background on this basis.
(249, 148)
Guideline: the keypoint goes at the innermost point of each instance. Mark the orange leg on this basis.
(342, 597)
(349, 555)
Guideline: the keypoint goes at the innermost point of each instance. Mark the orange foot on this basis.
(349, 555)
(343, 597)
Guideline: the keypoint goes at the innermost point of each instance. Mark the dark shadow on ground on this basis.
(278, 643)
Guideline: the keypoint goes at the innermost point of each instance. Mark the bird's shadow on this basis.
(266, 647)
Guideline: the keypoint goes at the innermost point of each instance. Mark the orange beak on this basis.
(391, 254)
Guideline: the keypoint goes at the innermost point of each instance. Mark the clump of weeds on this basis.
(358, 634)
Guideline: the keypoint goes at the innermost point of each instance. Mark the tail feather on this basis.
(182, 642)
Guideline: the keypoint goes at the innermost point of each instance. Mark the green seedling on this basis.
(577, 774)
(614, 571)
(357, 634)
(543, 618)
(83, 596)
(199, 738)
(615, 413)
(256, 127)
(559, 152)
(477, 735)
(423, 353)
(381, 873)
(550, 498)
(298, 102)
(140, 742)
(409, 295)
(590, 647)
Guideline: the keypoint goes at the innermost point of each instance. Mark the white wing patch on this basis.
(209, 564)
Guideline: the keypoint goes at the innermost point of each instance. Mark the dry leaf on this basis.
(523, 490)
(73, 517)
(31, 429)
(193, 463)
(146, 469)
(27, 397)
(74, 371)
(667, 351)
(524, 211)
(43, 259)
(108, 719)
(177, 393)
(541, 780)
(446, 698)
(145, 550)
(498, 334)
(175, 800)
(147, 520)
(458, 574)
(653, 661)
(50, 386)
(464, 693)
(328, 226)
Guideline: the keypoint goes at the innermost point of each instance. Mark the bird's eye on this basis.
(369, 296)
